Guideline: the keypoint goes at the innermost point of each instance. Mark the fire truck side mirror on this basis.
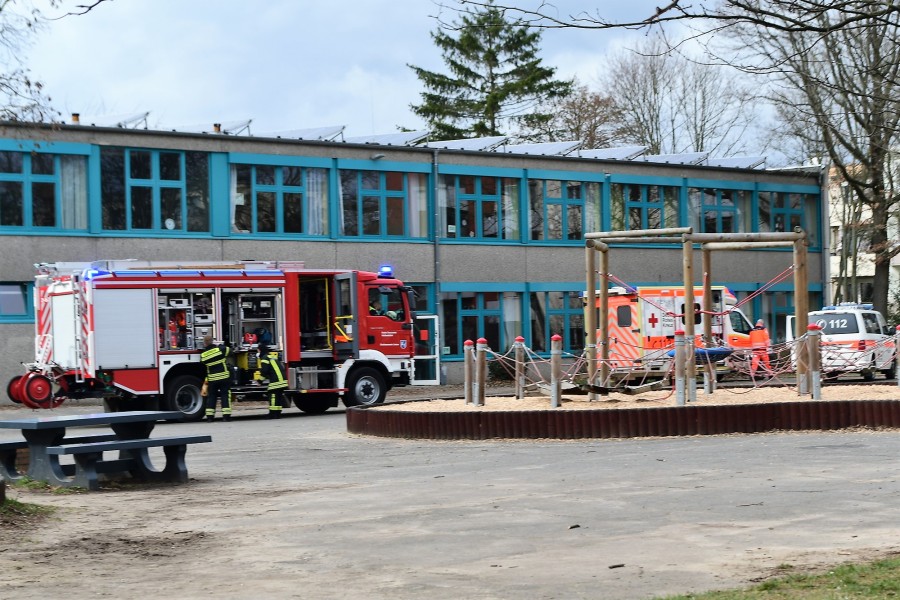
(406, 326)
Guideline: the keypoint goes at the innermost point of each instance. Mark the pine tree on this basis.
(495, 81)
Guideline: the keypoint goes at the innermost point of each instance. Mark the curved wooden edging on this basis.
(625, 422)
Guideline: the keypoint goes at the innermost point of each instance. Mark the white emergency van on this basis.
(855, 339)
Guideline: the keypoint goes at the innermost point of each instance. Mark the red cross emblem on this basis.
(653, 320)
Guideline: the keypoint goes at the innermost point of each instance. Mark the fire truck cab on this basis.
(131, 333)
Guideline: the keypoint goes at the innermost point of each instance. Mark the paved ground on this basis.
(298, 508)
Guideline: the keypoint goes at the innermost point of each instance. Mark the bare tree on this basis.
(845, 86)
(716, 16)
(585, 115)
(671, 103)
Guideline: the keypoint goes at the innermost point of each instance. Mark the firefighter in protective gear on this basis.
(759, 344)
(273, 371)
(214, 358)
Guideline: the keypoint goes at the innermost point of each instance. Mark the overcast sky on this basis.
(285, 64)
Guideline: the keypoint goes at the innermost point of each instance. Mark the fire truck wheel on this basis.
(315, 405)
(11, 389)
(889, 373)
(365, 387)
(184, 395)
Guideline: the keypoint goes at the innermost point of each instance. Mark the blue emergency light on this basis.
(385, 272)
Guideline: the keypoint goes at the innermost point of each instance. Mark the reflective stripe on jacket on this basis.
(214, 360)
(272, 370)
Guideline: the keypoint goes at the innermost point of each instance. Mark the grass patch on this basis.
(876, 580)
(27, 483)
(19, 514)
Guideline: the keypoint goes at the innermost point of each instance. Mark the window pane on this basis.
(489, 186)
(141, 207)
(371, 180)
(450, 323)
(11, 211)
(171, 208)
(43, 164)
(371, 216)
(536, 200)
(492, 300)
(243, 203)
(140, 164)
(634, 218)
(395, 216)
(10, 162)
(350, 203)
(467, 185)
(557, 325)
(489, 219)
(554, 222)
(43, 204)
(393, 181)
(292, 176)
(265, 175)
(197, 167)
(73, 191)
(654, 216)
(265, 211)
(112, 187)
(293, 213)
(492, 332)
(170, 166)
(467, 218)
(13, 299)
(575, 223)
(470, 328)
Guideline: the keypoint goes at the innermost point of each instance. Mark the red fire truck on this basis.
(131, 333)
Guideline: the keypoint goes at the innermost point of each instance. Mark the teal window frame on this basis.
(563, 202)
(27, 295)
(643, 205)
(717, 210)
(479, 199)
(570, 311)
(27, 180)
(373, 202)
(158, 186)
(471, 306)
(281, 192)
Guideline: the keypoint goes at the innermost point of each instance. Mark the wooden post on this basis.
(468, 369)
(604, 318)
(480, 371)
(590, 315)
(555, 370)
(690, 366)
(814, 348)
(679, 367)
(520, 367)
(709, 369)
(801, 306)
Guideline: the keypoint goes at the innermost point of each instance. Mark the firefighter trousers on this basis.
(276, 398)
(218, 391)
(760, 354)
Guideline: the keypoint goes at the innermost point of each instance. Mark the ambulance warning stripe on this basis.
(624, 344)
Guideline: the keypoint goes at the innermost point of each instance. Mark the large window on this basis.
(43, 191)
(563, 210)
(383, 204)
(720, 211)
(635, 207)
(15, 302)
(783, 211)
(480, 208)
(154, 190)
(495, 316)
(279, 199)
(557, 313)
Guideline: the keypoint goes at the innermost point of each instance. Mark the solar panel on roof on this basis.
(687, 158)
(544, 148)
(738, 162)
(403, 138)
(226, 127)
(329, 133)
(485, 143)
(623, 153)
